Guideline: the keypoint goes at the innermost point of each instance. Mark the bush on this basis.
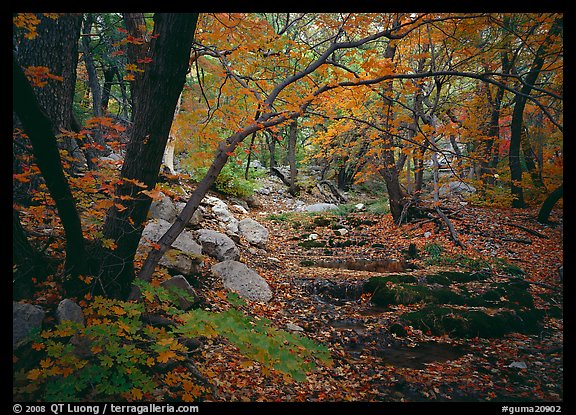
(230, 181)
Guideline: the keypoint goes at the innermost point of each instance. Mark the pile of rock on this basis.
(186, 255)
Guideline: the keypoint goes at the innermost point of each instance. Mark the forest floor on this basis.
(377, 355)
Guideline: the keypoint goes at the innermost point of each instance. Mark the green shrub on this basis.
(119, 355)
(230, 181)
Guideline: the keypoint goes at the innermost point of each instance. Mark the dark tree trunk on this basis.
(92, 151)
(531, 161)
(518, 117)
(292, 135)
(158, 93)
(56, 47)
(109, 73)
(39, 129)
(136, 52)
(29, 262)
(549, 203)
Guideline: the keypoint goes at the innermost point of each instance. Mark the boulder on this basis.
(254, 232)
(222, 214)
(320, 207)
(68, 310)
(163, 209)
(253, 202)
(196, 218)
(218, 245)
(184, 242)
(246, 282)
(214, 201)
(455, 188)
(25, 318)
(185, 254)
(178, 282)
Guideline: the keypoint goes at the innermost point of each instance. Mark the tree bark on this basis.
(158, 93)
(40, 131)
(92, 151)
(292, 135)
(549, 203)
(518, 116)
(56, 48)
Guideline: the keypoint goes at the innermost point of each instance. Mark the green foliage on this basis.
(379, 207)
(434, 250)
(230, 181)
(257, 339)
(117, 355)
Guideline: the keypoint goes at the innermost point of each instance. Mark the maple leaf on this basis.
(165, 356)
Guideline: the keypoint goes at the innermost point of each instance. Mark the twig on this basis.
(451, 228)
(530, 231)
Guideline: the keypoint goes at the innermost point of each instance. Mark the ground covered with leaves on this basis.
(417, 318)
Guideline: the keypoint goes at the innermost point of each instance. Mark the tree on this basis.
(54, 52)
(157, 95)
(40, 131)
(549, 203)
(518, 113)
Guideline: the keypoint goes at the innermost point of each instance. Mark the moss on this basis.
(312, 244)
(307, 263)
(375, 282)
(438, 279)
(377, 245)
(322, 221)
(473, 323)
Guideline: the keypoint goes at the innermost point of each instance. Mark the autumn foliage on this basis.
(394, 105)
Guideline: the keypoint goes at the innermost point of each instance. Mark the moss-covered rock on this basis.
(465, 323)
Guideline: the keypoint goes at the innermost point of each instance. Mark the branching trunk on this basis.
(158, 93)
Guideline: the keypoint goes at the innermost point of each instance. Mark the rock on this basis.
(222, 214)
(184, 242)
(246, 282)
(518, 365)
(218, 245)
(187, 300)
(214, 201)
(68, 310)
(341, 231)
(253, 202)
(293, 327)
(254, 232)
(240, 209)
(185, 254)
(163, 209)
(232, 227)
(320, 207)
(312, 237)
(455, 188)
(197, 216)
(25, 318)
(181, 262)
(359, 206)
(427, 234)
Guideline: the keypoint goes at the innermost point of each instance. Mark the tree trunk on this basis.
(292, 135)
(56, 48)
(39, 129)
(93, 151)
(160, 87)
(518, 117)
(29, 262)
(549, 203)
(136, 51)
